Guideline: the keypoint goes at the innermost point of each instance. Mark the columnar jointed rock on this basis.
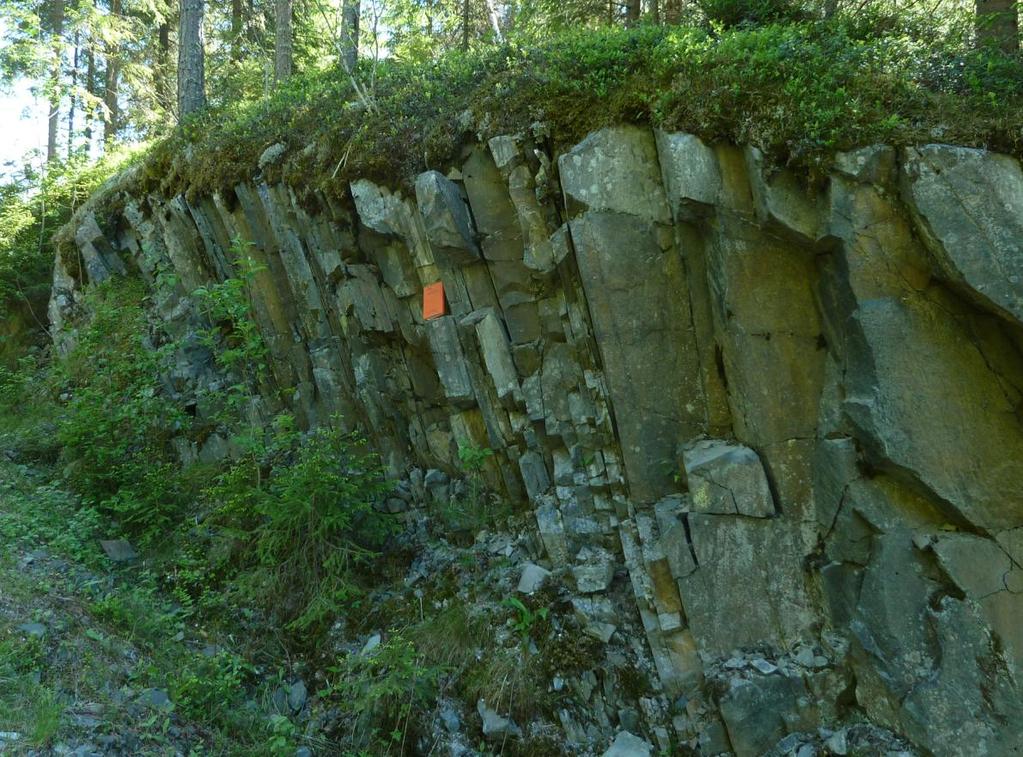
(779, 408)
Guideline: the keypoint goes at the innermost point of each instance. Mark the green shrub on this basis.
(729, 13)
(797, 88)
(117, 426)
(234, 336)
(32, 209)
(207, 686)
(305, 506)
(28, 410)
(383, 690)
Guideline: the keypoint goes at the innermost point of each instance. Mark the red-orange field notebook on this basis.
(434, 304)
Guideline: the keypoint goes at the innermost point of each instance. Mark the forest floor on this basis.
(98, 658)
(87, 645)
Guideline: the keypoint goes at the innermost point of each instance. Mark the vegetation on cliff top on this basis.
(798, 90)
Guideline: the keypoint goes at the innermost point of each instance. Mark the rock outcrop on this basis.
(788, 419)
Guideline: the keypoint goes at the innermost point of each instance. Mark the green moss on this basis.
(632, 682)
(570, 653)
(798, 90)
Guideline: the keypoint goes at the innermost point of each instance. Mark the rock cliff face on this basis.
(791, 418)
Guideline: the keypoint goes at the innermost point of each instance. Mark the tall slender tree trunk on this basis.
(191, 65)
(162, 74)
(90, 87)
(465, 24)
(73, 100)
(111, 110)
(57, 47)
(283, 42)
(236, 30)
(350, 34)
(998, 24)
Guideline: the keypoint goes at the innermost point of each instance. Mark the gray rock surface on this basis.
(726, 479)
(446, 219)
(629, 745)
(846, 539)
(968, 208)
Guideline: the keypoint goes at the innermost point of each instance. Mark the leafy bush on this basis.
(729, 13)
(32, 210)
(525, 618)
(207, 685)
(27, 409)
(234, 336)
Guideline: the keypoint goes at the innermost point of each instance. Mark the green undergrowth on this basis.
(246, 566)
(799, 90)
(111, 635)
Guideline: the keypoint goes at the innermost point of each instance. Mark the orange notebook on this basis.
(434, 304)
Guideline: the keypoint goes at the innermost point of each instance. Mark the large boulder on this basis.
(727, 479)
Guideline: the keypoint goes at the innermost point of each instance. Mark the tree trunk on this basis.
(350, 35)
(57, 47)
(111, 111)
(73, 100)
(162, 74)
(236, 30)
(465, 24)
(632, 11)
(283, 43)
(90, 87)
(998, 24)
(191, 66)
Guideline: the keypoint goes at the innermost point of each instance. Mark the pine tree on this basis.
(191, 63)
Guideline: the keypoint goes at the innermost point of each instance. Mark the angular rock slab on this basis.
(757, 711)
(968, 205)
(615, 170)
(691, 175)
(449, 359)
(950, 426)
(637, 292)
(629, 745)
(748, 588)
(727, 479)
(449, 226)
